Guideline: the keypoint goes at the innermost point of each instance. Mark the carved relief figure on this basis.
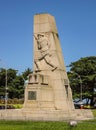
(43, 46)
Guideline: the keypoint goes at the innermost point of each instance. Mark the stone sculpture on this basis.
(43, 45)
(49, 82)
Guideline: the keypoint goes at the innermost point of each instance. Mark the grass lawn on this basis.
(31, 125)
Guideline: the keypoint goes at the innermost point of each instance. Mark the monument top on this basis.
(44, 23)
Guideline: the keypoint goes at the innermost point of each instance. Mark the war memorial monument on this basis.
(48, 94)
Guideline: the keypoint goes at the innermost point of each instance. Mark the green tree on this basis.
(16, 88)
(11, 75)
(2, 82)
(86, 69)
(15, 82)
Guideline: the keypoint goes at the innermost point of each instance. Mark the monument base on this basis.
(45, 115)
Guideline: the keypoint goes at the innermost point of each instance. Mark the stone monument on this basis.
(48, 86)
(48, 94)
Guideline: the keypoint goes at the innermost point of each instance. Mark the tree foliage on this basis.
(84, 68)
(15, 83)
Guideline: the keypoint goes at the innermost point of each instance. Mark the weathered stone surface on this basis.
(49, 79)
(45, 115)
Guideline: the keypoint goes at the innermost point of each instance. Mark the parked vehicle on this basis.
(79, 105)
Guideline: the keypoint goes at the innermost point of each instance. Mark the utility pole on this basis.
(6, 88)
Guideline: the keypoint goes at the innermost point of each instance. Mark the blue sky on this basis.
(76, 24)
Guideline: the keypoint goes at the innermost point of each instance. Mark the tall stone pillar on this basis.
(49, 82)
(48, 59)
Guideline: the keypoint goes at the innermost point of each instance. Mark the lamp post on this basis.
(6, 93)
(80, 84)
(6, 88)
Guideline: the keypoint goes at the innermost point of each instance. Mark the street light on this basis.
(80, 84)
(6, 88)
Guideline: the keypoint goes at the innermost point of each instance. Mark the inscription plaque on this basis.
(32, 95)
